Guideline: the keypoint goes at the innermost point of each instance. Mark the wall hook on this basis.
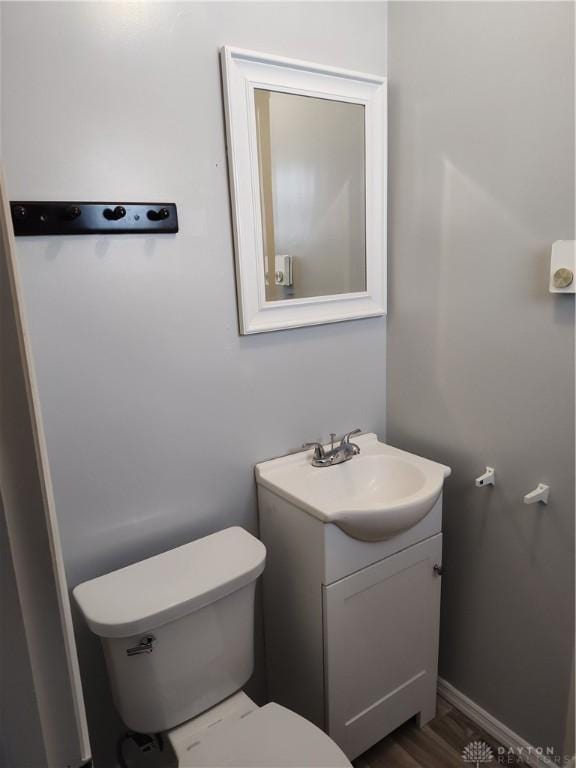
(488, 478)
(540, 493)
(72, 212)
(114, 214)
(160, 215)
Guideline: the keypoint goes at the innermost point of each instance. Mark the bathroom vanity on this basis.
(352, 589)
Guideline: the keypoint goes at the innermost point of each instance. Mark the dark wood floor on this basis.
(438, 745)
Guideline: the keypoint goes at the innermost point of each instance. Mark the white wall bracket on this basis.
(540, 493)
(488, 478)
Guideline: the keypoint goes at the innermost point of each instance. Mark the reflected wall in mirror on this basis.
(307, 164)
(312, 195)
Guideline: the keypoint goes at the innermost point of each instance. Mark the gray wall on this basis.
(155, 408)
(481, 356)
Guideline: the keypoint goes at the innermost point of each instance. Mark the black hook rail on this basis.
(66, 218)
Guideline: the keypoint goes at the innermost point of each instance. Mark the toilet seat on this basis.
(266, 737)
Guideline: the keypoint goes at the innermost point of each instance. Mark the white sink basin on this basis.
(372, 497)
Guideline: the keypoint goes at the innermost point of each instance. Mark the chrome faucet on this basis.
(334, 455)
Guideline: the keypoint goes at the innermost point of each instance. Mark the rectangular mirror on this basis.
(307, 161)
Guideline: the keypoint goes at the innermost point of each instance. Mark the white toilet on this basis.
(178, 636)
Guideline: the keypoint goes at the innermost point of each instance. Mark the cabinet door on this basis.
(381, 646)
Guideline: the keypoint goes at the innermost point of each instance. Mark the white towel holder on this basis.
(488, 478)
(540, 493)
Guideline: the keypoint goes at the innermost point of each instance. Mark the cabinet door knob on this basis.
(438, 570)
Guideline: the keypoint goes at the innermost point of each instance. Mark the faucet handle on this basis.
(345, 442)
(318, 449)
(348, 435)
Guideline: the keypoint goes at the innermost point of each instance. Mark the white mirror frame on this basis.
(244, 71)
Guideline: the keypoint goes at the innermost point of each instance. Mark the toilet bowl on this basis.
(177, 631)
(239, 734)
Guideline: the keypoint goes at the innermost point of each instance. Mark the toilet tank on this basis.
(177, 629)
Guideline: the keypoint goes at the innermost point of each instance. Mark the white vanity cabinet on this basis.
(381, 646)
(351, 626)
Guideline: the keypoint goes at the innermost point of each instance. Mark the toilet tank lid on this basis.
(166, 587)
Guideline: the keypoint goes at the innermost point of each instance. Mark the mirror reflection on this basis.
(311, 159)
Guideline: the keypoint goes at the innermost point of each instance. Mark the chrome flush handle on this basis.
(144, 646)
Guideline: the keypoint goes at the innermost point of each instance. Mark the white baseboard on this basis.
(494, 727)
